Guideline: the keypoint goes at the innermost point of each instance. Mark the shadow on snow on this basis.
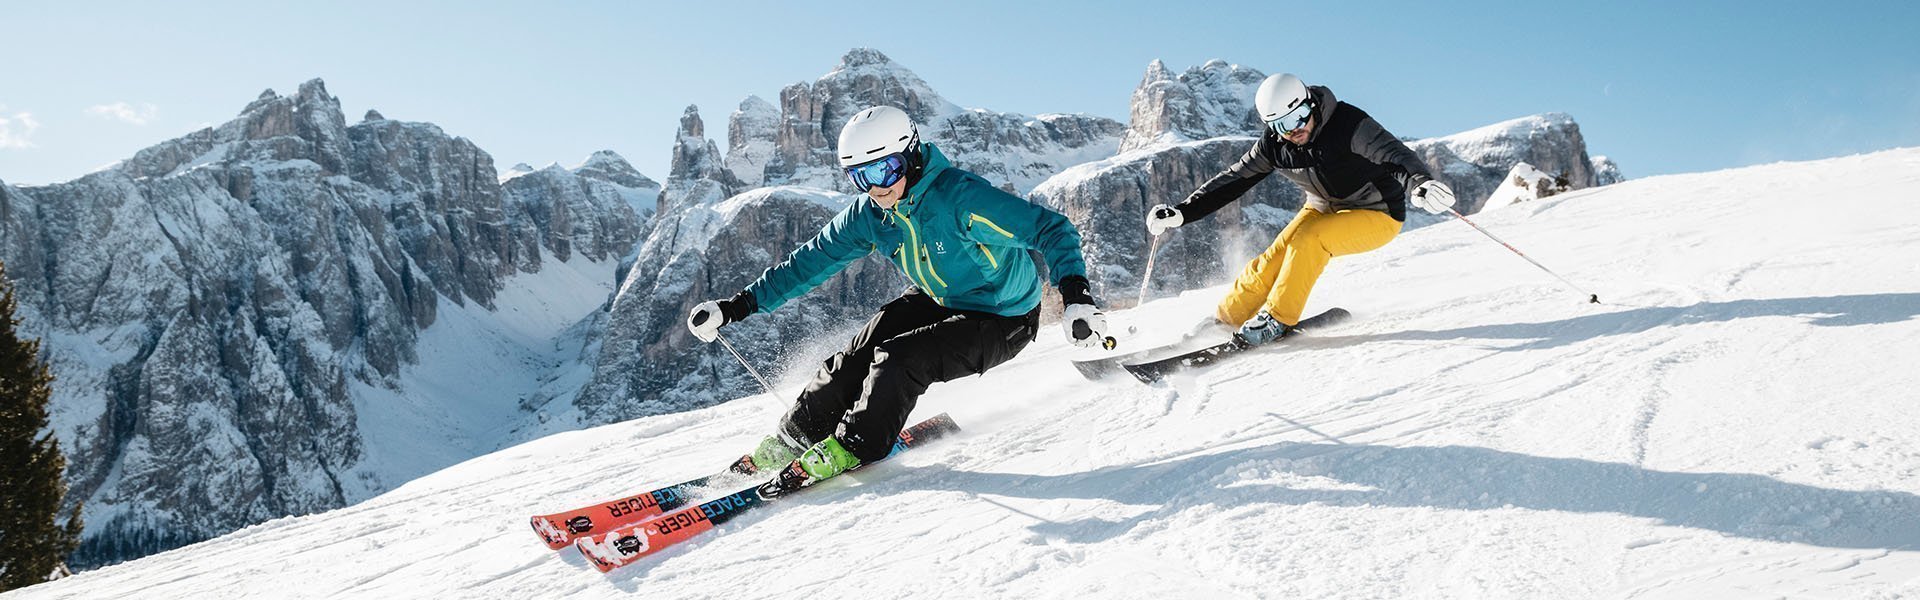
(1828, 311)
(1465, 478)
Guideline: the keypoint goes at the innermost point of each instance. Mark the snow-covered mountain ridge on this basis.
(1730, 424)
(234, 315)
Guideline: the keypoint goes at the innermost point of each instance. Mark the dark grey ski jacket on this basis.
(1348, 162)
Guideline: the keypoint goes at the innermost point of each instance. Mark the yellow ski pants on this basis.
(1279, 279)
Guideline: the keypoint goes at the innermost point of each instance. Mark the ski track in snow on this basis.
(1733, 422)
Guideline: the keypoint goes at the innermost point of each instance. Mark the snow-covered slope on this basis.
(1737, 421)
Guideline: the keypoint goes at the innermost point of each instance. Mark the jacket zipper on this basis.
(990, 260)
(917, 256)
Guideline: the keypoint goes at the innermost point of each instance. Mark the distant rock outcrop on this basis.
(1474, 162)
(1010, 150)
(1208, 101)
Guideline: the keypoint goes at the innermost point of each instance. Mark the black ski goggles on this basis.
(879, 173)
(1286, 124)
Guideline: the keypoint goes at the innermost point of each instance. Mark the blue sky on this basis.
(1662, 87)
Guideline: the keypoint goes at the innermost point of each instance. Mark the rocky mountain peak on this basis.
(696, 175)
(313, 95)
(690, 124)
(1156, 72)
(609, 166)
(1012, 150)
(752, 132)
(862, 57)
(1207, 101)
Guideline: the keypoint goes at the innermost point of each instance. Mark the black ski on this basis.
(1098, 368)
(1153, 369)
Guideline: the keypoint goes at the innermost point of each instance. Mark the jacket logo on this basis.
(939, 247)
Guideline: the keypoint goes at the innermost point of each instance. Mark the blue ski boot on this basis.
(1262, 329)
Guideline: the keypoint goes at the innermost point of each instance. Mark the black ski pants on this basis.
(863, 394)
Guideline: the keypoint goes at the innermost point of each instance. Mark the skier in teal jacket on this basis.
(975, 300)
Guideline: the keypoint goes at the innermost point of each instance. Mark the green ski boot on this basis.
(827, 459)
(774, 452)
(821, 462)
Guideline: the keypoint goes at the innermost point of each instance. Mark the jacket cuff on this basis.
(740, 306)
(1074, 290)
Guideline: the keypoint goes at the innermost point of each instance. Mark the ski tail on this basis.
(1153, 370)
(631, 542)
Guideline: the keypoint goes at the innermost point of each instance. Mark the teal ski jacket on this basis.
(959, 239)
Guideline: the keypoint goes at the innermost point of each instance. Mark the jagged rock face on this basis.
(595, 209)
(1010, 150)
(208, 303)
(1108, 202)
(1475, 162)
(1605, 172)
(752, 133)
(1017, 153)
(610, 167)
(1208, 101)
(698, 174)
(445, 204)
(650, 364)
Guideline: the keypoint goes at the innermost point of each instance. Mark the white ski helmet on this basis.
(1279, 95)
(875, 133)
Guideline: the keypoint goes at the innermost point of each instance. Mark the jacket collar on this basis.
(1324, 104)
(936, 162)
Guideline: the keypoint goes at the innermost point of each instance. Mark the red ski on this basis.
(559, 529)
(628, 543)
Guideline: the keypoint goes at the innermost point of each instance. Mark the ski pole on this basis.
(1591, 297)
(1152, 252)
(743, 363)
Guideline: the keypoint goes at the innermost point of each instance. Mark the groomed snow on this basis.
(1737, 421)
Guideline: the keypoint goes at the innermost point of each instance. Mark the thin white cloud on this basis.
(16, 130)
(124, 112)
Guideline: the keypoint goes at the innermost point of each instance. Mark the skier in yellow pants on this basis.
(1279, 280)
(1357, 179)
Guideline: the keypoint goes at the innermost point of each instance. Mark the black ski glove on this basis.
(1074, 290)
